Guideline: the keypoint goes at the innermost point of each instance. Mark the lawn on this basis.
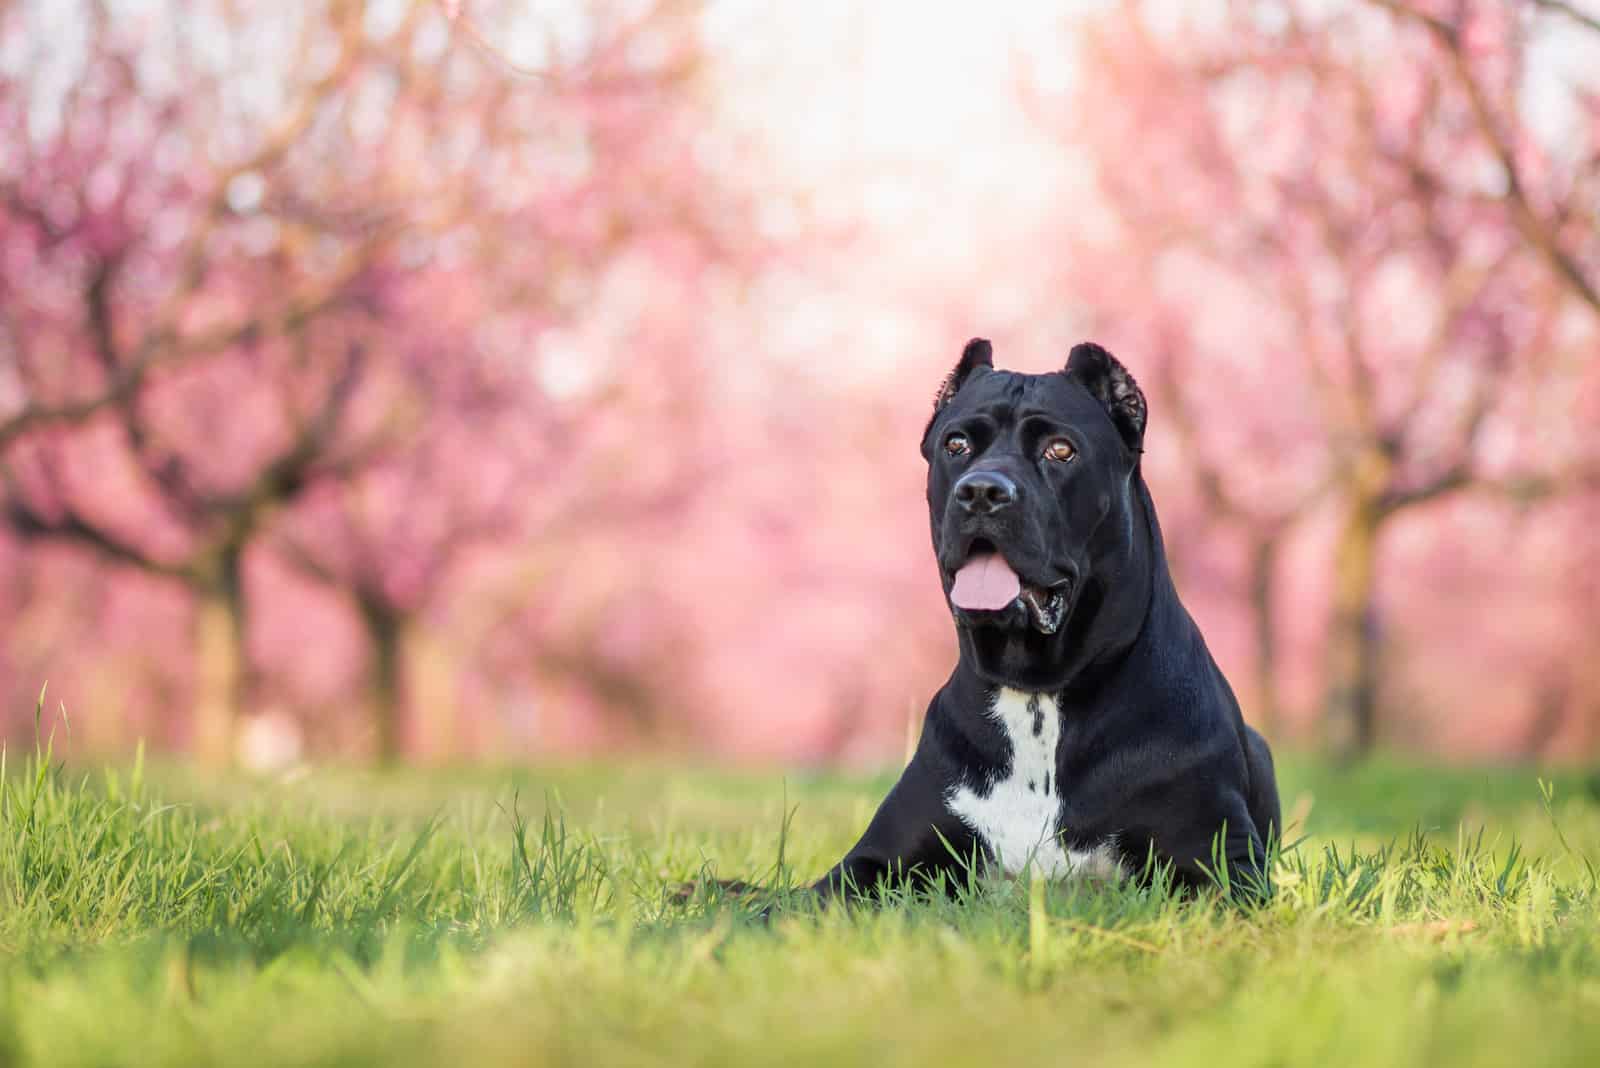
(485, 917)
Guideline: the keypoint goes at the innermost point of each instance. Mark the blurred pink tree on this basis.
(254, 267)
(1364, 280)
(424, 374)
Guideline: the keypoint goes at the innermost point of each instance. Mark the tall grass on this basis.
(151, 917)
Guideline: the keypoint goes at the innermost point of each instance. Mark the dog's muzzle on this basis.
(987, 589)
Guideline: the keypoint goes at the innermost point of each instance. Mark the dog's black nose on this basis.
(985, 491)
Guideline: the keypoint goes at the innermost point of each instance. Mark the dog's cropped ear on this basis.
(1109, 382)
(977, 357)
(978, 354)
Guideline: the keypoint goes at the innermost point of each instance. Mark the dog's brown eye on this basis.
(1059, 450)
(956, 444)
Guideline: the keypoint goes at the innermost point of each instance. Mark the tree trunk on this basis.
(385, 682)
(1551, 702)
(1350, 711)
(1263, 569)
(220, 664)
(431, 692)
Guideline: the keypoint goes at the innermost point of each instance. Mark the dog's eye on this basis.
(957, 444)
(1059, 449)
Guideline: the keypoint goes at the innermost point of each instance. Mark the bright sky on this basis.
(906, 115)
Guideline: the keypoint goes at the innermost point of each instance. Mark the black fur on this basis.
(978, 354)
(1114, 387)
(1154, 756)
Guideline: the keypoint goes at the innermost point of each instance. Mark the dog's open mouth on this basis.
(987, 584)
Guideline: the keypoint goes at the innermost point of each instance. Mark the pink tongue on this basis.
(985, 583)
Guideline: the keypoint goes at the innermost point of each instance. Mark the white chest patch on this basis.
(1018, 817)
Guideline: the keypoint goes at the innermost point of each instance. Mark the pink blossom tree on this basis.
(1326, 230)
(234, 275)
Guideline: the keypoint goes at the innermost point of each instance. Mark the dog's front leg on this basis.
(913, 836)
(1224, 847)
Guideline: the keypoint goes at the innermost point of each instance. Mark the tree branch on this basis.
(303, 560)
(28, 522)
(286, 475)
(165, 347)
(37, 415)
(1533, 228)
(1525, 489)
(1522, 489)
(161, 344)
(1464, 283)
(1567, 10)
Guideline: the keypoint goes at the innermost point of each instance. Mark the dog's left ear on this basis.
(1108, 382)
(976, 358)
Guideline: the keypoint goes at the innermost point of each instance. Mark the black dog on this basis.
(1086, 729)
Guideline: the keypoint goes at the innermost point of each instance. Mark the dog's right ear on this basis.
(978, 353)
(977, 357)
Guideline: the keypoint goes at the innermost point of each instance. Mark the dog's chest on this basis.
(1018, 816)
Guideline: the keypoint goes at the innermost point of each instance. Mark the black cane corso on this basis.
(1086, 731)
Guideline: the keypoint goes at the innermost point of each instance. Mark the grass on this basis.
(516, 916)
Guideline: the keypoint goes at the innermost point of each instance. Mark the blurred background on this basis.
(425, 381)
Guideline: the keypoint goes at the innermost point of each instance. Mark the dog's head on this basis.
(1032, 486)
